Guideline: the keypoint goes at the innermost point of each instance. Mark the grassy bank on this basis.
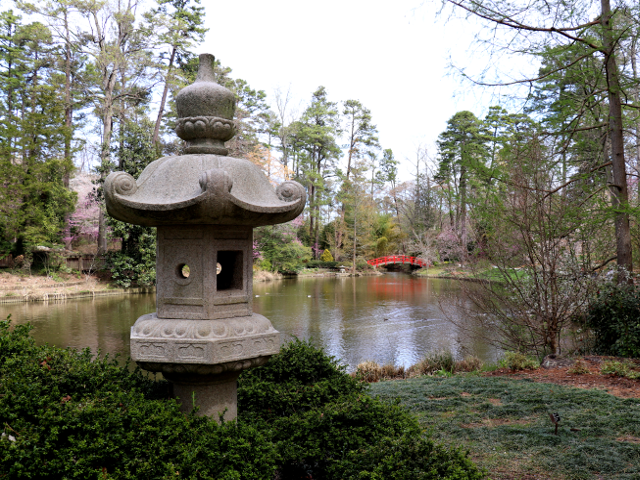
(478, 272)
(505, 425)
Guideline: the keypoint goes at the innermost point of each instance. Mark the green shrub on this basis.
(614, 318)
(65, 414)
(321, 264)
(74, 417)
(265, 264)
(325, 425)
(580, 367)
(406, 458)
(326, 256)
(129, 272)
(363, 265)
(300, 378)
(620, 369)
(434, 362)
(518, 361)
(470, 363)
(281, 247)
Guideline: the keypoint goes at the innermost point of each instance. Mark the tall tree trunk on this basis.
(636, 100)
(163, 101)
(355, 235)
(351, 147)
(68, 109)
(102, 232)
(312, 191)
(317, 237)
(620, 193)
(463, 208)
(107, 130)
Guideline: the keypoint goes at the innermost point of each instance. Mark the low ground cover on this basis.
(505, 424)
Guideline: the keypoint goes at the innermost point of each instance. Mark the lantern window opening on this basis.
(183, 270)
(230, 276)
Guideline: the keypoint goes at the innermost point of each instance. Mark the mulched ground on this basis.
(618, 386)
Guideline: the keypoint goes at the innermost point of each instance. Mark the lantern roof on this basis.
(204, 185)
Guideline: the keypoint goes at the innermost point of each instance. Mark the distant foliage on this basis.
(326, 256)
(135, 264)
(281, 249)
(83, 223)
(321, 264)
(34, 203)
(138, 270)
(614, 317)
(363, 265)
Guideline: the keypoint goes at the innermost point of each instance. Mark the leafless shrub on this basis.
(468, 364)
(542, 247)
(433, 362)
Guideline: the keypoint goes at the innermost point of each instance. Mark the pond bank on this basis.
(32, 296)
(265, 276)
(22, 288)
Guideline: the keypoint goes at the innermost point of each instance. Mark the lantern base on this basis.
(203, 358)
(217, 399)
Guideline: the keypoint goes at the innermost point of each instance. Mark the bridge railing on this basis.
(397, 259)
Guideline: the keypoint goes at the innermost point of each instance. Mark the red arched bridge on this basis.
(398, 259)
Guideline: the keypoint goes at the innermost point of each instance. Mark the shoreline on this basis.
(42, 291)
(32, 297)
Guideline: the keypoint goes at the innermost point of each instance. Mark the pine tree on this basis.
(463, 152)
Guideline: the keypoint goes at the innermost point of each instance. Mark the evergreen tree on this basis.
(388, 173)
(566, 28)
(363, 134)
(463, 152)
(316, 139)
(33, 199)
(135, 263)
(181, 22)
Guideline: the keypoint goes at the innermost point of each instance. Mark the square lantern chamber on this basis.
(204, 272)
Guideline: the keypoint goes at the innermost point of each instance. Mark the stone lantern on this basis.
(204, 205)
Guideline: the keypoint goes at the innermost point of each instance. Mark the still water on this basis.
(393, 318)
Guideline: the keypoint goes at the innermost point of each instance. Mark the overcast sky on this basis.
(392, 56)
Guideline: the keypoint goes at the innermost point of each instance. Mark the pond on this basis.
(392, 318)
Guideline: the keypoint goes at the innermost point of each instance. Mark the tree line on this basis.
(546, 194)
(85, 80)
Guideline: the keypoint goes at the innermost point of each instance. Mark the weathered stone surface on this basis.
(155, 340)
(212, 399)
(205, 293)
(205, 206)
(556, 361)
(204, 186)
(202, 189)
(204, 96)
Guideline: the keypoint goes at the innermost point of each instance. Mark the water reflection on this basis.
(391, 318)
(101, 323)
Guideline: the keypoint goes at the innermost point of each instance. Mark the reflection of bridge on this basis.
(398, 259)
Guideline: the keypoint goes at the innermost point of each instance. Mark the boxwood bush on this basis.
(66, 414)
(321, 264)
(614, 318)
